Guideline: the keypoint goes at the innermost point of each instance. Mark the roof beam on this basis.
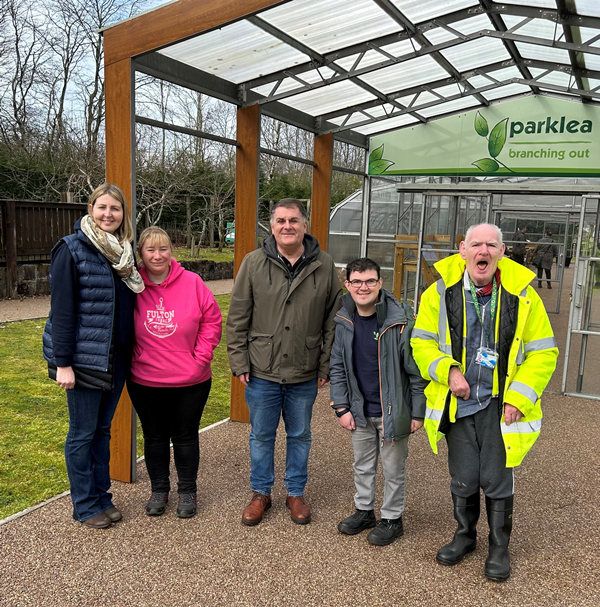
(510, 46)
(574, 57)
(320, 60)
(560, 89)
(568, 46)
(163, 67)
(549, 14)
(363, 47)
(410, 27)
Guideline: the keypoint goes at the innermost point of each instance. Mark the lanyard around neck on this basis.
(493, 304)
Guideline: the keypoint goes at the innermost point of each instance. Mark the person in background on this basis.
(377, 394)
(484, 340)
(544, 254)
(519, 249)
(178, 325)
(279, 334)
(87, 343)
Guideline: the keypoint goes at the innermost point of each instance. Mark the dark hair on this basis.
(548, 232)
(289, 203)
(522, 226)
(362, 265)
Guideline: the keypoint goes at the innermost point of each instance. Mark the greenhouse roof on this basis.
(359, 67)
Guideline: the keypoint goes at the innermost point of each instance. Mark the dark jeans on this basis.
(171, 414)
(87, 448)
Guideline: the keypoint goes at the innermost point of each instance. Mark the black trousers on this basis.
(171, 415)
(548, 273)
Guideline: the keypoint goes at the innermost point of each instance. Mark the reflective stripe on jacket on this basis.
(524, 342)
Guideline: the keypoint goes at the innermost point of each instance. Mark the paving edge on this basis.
(54, 498)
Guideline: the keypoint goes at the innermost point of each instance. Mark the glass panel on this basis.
(383, 253)
(591, 61)
(331, 24)
(538, 28)
(588, 7)
(450, 106)
(236, 52)
(587, 33)
(344, 248)
(506, 91)
(385, 125)
(467, 26)
(558, 78)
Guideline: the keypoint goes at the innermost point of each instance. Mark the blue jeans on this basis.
(267, 400)
(87, 448)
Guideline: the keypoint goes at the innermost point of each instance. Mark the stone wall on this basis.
(33, 277)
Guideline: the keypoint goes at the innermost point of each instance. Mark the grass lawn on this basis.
(184, 254)
(34, 418)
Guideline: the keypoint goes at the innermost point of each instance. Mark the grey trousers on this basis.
(366, 443)
(476, 455)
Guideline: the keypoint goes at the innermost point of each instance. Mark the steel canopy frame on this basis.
(142, 43)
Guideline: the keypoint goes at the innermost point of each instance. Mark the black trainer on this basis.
(187, 505)
(357, 522)
(157, 503)
(387, 530)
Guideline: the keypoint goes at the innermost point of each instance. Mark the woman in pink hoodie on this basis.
(177, 325)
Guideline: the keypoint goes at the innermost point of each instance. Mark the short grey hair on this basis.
(488, 225)
(289, 203)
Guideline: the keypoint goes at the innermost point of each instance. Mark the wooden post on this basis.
(321, 189)
(12, 272)
(246, 202)
(119, 170)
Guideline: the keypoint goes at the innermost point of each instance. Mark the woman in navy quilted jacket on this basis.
(88, 341)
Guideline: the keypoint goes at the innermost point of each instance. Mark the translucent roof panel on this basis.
(407, 74)
(476, 53)
(329, 98)
(289, 84)
(398, 49)
(387, 125)
(592, 62)
(538, 28)
(537, 3)
(558, 78)
(543, 53)
(506, 91)
(467, 26)
(328, 25)
(502, 75)
(237, 52)
(450, 106)
(588, 7)
(587, 33)
(423, 10)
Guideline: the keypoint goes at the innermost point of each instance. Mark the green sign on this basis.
(531, 136)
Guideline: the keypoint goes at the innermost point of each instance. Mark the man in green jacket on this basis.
(484, 340)
(280, 330)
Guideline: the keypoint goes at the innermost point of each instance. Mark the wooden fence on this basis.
(30, 229)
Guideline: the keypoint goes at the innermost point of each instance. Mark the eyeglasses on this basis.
(371, 283)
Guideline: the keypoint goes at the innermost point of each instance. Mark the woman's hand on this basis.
(65, 377)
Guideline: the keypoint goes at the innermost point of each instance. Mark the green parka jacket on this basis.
(280, 328)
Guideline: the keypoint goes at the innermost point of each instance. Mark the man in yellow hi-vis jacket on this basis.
(484, 340)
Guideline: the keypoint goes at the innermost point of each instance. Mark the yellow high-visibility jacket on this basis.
(524, 341)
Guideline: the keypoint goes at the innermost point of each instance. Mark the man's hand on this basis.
(65, 377)
(347, 421)
(244, 378)
(458, 384)
(415, 424)
(511, 414)
(323, 381)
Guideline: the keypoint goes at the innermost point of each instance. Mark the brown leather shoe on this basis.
(299, 509)
(113, 514)
(254, 511)
(100, 521)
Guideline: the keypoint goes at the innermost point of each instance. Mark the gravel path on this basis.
(212, 560)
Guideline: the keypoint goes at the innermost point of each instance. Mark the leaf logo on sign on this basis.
(496, 141)
(377, 164)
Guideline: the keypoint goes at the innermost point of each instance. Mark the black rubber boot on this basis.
(539, 284)
(500, 514)
(466, 513)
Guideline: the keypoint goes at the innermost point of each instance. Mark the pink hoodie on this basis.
(177, 326)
